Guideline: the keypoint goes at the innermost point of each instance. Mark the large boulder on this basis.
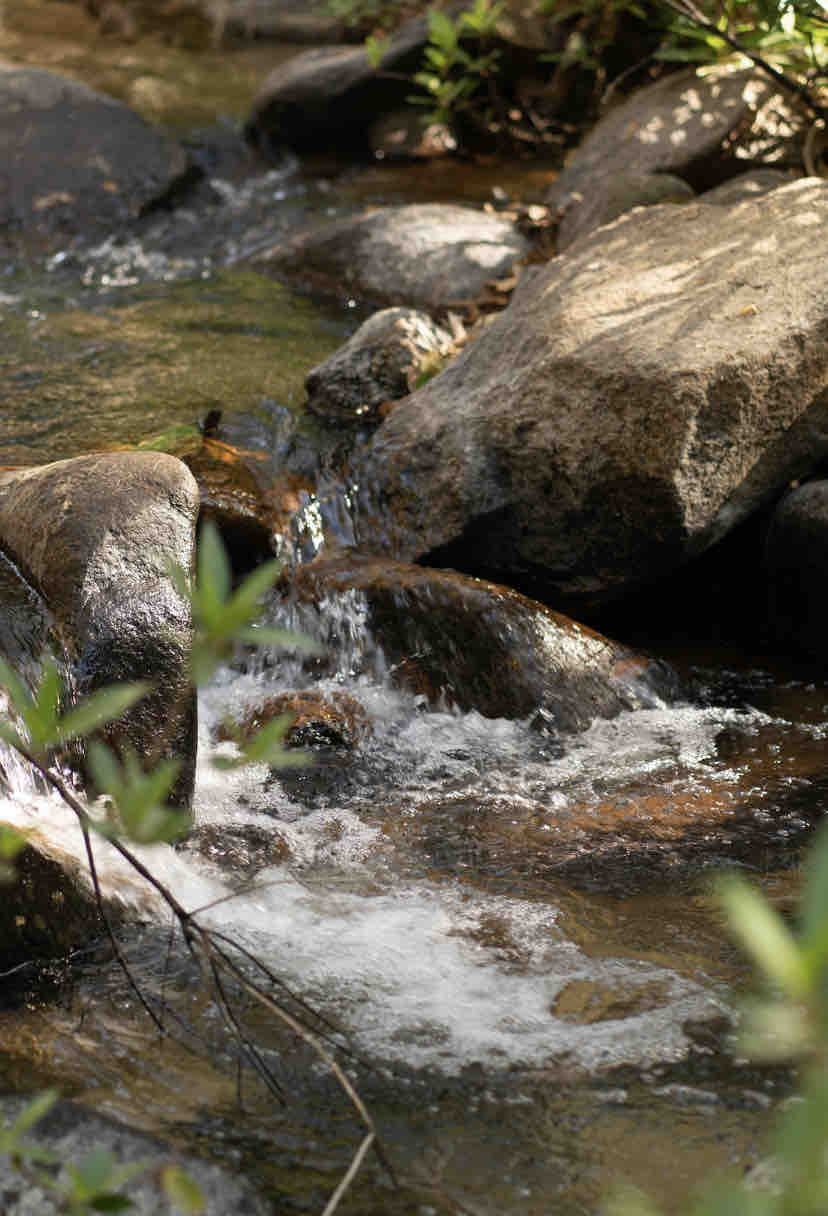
(96, 536)
(73, 158)
(430, 255)
(480, 646)
(639, 396)
(680, 126)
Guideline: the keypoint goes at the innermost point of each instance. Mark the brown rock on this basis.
(334, 720)
(95, 536)
(484, 647)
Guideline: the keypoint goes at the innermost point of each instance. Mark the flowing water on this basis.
(513, 932)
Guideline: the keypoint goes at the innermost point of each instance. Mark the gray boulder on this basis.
(429, 255)
(378, 365)
(73, 158)
(746, 186)
(95, 537)
(639, 396)
(678, 126)
(610, 197)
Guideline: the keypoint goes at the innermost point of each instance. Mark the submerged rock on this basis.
(75, 159)
(96, 536)
(480, 646)
(381, 363)
(430, 255)
(640, 395)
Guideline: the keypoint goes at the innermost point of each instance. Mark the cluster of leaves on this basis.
(458, 61)
(788, 1022)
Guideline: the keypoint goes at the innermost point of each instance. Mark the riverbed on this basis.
(515, 935)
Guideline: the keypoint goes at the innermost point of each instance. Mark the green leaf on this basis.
(285, 639)
(19, 694)
(110, 1203)
(765, 936)
(214, 574)
(99, 708)
(12, 841)
(442, 31)
(9, 735)
(182, 1190)
(34, 1112)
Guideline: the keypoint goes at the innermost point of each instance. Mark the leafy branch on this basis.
(223, 617)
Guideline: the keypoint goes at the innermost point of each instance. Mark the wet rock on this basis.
(249, 501)
(382, 362)
(429, 255)
(590, 1001)
(329, 96)
(747, 186)
(796, 563)
(640, 396)
(612, 196)
(678, 126)
(334, 720)
(484, 647)
(48, 906)
(239, 852)
(72, 1133)
(74, 159)
(95, 536)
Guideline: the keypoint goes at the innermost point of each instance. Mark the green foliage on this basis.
(788, 1022)
(453, 76)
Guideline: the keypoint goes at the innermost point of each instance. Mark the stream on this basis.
(514, 934)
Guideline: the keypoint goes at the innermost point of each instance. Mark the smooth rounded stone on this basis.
(74, 159)
(677, 125)
(379, 364)
(796, 566)
(96, 536)
(72, 1133)
(485, 647)
(747, 186)
(428, 255)
(332, 94)
(640, 395)
(613, 196)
